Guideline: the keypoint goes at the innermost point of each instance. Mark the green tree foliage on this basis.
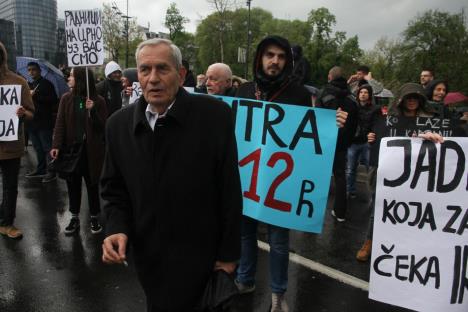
(113, 29)
(174, 21)
(434, 39)
(327, 49)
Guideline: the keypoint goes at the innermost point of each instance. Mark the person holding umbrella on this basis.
(41, 127)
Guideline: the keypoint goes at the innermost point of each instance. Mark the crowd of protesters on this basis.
(135, 157)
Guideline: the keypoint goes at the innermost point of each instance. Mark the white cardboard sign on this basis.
(10, 100)
(83, 32)
(420, 243)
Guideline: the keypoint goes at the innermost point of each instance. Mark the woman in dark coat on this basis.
(80, 124)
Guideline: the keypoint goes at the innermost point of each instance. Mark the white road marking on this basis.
(323, 269)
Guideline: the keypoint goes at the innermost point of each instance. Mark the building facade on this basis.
(7, 37)
(35, 25)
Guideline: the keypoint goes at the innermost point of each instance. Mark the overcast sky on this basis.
(369, 19)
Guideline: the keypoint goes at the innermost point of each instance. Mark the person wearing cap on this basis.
(111, 87)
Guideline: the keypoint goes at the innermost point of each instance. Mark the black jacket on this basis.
(176, 192)
(280, 89)
(334, 95)
(111, 91)
(45, 103)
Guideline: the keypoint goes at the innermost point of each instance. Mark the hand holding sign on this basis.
(89, 103)
(20, 112)
(341, 117)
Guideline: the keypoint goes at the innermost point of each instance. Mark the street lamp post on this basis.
(126, 27)
(248, 41)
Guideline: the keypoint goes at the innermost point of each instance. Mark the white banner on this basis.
(10, 100)
(136, 92)
(83, 32)
(420, 243)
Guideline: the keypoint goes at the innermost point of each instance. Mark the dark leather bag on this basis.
(67, 161)
(218, 293)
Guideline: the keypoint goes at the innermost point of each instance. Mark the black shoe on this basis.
(95, 226)
(73, 226)
(49, 178)
(35, 174)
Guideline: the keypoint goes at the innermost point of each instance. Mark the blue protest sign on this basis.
(285, 160)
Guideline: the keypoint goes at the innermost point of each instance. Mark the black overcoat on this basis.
(176, 193)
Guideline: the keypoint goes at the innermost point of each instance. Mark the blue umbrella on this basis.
(48, 71)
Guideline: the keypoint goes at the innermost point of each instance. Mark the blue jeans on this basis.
(355, 152)
(42, 142)
(278, 239)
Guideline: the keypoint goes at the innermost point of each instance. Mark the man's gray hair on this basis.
(176, 55)
(335, 72)
(224, 67)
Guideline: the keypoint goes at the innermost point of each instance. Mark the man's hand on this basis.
(20, 112)
(341, 117)
(371, 137)
(32, 92)
(89, 104)
(353, 78)
(227, 267)
(54, 153)
(368, 76)
(434, 137)
(114, 248)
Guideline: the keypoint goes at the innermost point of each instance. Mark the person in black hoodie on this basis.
(111, 87)
(273, 82)
(41, 127)
(334, 95)
(359, 149)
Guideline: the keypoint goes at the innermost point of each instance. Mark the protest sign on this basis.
(285, 160)
(136, 92)
(10, 100)
(392, 126)
(83, 32)
(420, 243)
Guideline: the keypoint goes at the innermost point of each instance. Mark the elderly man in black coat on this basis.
(171, 184)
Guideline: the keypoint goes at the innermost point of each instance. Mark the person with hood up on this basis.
(11, 151)
(272, 70)
(111, 87)
(336, 94)
(411, 103)
(129, 76)
(359, 149)
(436, 90)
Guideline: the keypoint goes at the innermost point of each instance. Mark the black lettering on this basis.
(268, 124)
(307, 187)
(386, 212)
(14, 97)
(427, 147)
(400, 267)
(464, 279)
(448, 227)
(309, 117)
(2, 127)
(381, 258)
(405, 209)
(428, 217)
(460, 168)
(463, 223)
(456, 275)
(248, 123)
(11, 128)
(414, 269)
(234, 106)
(4, 95)
(418, 213)
(406, 144)
(433, 264)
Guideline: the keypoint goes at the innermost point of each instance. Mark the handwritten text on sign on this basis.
(10, 100)
(420, 245)
(285, 156)
(83, 32)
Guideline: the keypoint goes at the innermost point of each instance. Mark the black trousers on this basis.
(10, 170)
(74, 182)
(339, 173)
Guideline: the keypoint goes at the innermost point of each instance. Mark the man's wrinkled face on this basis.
(426, 77)
(158, 75)
(273, 60)
(439, 92)
(363, 96)
(34, 72)
(217, 81)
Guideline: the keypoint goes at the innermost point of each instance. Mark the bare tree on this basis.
(222, 7)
